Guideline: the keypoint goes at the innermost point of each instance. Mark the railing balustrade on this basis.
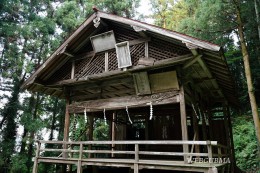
(84, 150)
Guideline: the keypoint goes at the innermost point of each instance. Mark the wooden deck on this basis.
(81, 154)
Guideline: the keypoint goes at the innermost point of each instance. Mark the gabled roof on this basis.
(75, 43)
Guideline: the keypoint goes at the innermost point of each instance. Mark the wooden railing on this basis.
(133, 151)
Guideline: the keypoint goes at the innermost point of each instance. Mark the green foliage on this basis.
(245, 143)
(101, 130)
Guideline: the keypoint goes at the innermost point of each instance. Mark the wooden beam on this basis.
(122, 102)
(161, 31)
(208, 73)
(106, 61)
(184, 127)
(191, 62)
(146, 52)
(117, 73)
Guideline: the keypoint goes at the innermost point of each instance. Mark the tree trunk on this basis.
(248, 72)
(258, 25)
(32, 134)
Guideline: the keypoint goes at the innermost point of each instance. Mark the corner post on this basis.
(35, 165)
(184, 129)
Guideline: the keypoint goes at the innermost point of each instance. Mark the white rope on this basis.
(151, 111)
(126, 108)
(105, 118)
(194, 110)
(85, 114)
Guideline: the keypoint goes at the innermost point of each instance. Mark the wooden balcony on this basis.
(136, 155)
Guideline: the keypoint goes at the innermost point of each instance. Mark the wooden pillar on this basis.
(66, 127)
(210, 125)
(113, 133)
(204, 126)
(184, 129)
(66, 132)
(90, 135)
(195, 125)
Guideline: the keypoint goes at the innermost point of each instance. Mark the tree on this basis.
(245, 53)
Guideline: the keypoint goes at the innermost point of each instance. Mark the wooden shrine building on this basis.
(164, 95)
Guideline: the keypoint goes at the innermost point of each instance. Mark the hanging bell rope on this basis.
(151, 111)
(126, 108)
(105, 118)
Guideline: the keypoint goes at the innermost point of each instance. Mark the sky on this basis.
(145, 9)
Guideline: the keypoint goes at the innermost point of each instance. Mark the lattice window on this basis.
(63, 73)
(159, 49)
(137, 52)
(96, 66)
(80, 67)
(112, 61)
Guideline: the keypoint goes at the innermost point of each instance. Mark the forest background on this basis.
(30, 30)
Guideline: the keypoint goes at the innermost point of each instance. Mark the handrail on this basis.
(81, 147)
(166, 142)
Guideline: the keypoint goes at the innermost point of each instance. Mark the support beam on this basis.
(184, 129)
(122, 102)
(192, 61)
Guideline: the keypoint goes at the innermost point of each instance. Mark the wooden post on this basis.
(79, 166)
(106, 61)
(210, 154)
(113, 134)
(184, 123)
(196, 131)
(210, 125)
(35, 165)
(213, 170)
(90, 135)
(136, 169)
(66, 128)
(66, 132)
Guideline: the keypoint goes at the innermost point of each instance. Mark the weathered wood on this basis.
(158, 30)
(91, 130)
(118, 73)
(35, 165)
(191, 62)
(183, 115)
(164, 81)
(142, 84)
(113, 133)
(123, 55)
(103, 41)
(66, 127)
(106, 61)
(146, 61)
(157, 142)
(122, 102)
(146, 52)
(79, 166)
